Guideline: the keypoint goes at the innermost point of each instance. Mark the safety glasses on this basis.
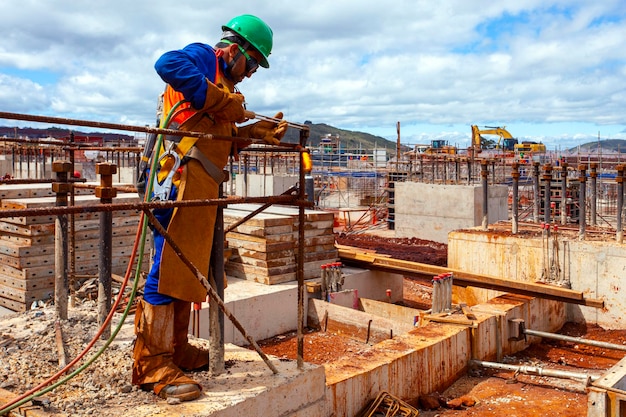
(251, 63)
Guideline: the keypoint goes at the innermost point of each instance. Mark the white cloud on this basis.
(351, 64)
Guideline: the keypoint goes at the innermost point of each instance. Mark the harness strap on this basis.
(216, 173)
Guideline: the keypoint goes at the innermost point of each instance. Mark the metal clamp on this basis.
(162, 190)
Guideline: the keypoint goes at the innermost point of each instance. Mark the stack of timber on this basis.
(27, 243)
(265, 248)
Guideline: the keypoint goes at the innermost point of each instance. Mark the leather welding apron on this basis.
(192, 228)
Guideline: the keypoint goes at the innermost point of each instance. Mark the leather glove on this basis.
(270, 132)
(223, 105)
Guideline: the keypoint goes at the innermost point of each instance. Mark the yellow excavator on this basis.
(438, 146)
(530, 147)
(506, 141)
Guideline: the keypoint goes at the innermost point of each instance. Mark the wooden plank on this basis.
(16, 250)
(269, 239)
(32, 230)
(27, 284)
(79, 235)
(28, 220)
(80, 200)
(260, 220)
(26, 297)
(259, 244)
(20, 262)
(83, 266)
(390, 311)
(464, 279)
(48, 228)
(260, 277)
(365, 327)
(14, 191)
(260, 231)
(325, 256)
(13, 305)
(467, 311)
(310, 215)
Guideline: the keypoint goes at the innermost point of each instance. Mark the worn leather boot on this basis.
(153, 367)
(186, 356)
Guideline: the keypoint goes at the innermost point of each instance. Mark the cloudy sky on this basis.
(549, 70)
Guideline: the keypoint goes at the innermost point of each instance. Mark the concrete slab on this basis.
(269, 310)
(249, 388)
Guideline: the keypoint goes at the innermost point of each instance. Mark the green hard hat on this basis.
(255, 31)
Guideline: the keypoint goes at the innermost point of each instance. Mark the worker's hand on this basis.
(270, 132)
(223, 105)
(233, 110)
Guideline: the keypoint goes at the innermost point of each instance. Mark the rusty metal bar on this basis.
(300, 269)
(619, 178)
(130, 128)
(105, 193)
(563, 193)
(203, 280)
(54, 211)
(515, 202)
(216, 317)
(61, 290)
(582, 220)
(60, 344)
(484, 178)
(357, 257)
(593, 174)
(536, 370)
(547, 190)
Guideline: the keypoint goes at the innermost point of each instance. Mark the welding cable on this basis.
(140, 240)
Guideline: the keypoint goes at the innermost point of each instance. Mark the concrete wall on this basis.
(594, 267)
(269, 310)
(256, 185)
(431, 211)
(432, 357)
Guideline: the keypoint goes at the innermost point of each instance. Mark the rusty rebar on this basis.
(55, 211)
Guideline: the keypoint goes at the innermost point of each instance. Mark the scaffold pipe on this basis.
(536, 370)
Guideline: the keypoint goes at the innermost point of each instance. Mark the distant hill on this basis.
(349, 139)
(614, 145)
(59, 133)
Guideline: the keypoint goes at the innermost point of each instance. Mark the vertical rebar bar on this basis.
(515, 199)
(582, 220)
(619, 178)
(593, 174)
(216, 316)
(536, 192)
(484, 176)
(61, 188)
(547, 190)
(563, 193)
(105, 192)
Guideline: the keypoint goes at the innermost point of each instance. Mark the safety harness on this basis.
(180, 150)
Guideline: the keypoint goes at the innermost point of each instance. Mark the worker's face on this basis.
(245, 63)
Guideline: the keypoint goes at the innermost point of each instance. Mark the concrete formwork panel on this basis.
(432, 357)
(269, 310)
(595, 268)
(257, 185)
(431, 211)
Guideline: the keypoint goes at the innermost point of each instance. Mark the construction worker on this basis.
(200, 96)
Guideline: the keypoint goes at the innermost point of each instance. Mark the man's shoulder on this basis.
(199, 47)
